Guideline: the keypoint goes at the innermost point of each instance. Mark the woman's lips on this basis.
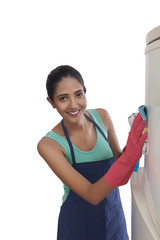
(73, 113)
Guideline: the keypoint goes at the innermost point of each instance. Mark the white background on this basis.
(105, 41)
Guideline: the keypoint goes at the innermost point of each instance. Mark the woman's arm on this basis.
(112, 137)
(53, 154)
(117, 175)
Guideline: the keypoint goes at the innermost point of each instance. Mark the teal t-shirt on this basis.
(101, 150)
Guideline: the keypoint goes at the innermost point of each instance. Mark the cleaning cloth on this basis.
(144, 114)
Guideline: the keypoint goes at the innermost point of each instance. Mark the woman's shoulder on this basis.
(58, 129)
(52, 139)
(46, 144)
(102, 112)
(105, 117)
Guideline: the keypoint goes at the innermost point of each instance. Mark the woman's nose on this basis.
(73, 103)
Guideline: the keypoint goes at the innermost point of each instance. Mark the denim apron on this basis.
(80, 220)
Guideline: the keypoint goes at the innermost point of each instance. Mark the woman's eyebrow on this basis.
(80, 90)
(65, 94)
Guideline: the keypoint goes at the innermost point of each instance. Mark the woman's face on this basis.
(69, 99)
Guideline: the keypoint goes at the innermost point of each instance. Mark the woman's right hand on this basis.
(135, 140)
(121, 170)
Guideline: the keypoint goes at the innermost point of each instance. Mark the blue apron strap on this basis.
(97, 127)
(69, 142)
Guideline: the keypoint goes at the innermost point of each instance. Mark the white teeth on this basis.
(73, 113)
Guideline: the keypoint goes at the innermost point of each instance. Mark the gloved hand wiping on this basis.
(122, 169)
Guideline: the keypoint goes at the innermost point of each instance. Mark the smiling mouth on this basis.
(73, 113)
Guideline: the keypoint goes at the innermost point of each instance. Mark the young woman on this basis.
(83, 151)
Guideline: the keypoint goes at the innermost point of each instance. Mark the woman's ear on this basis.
(51, 102)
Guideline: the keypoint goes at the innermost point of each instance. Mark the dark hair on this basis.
(56, 76)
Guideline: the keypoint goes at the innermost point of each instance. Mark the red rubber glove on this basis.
(122, 169)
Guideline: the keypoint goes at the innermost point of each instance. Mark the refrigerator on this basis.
(145, 183)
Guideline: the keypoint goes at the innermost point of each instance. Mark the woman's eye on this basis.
(62, 99)
(80, 94)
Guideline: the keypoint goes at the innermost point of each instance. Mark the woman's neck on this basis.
(80, 126)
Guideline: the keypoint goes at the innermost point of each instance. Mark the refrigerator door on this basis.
(145, 184)
(152, 101)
